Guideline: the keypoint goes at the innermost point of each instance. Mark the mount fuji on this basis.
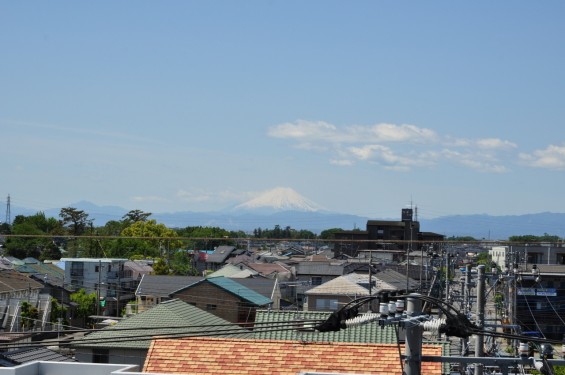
(276, 200)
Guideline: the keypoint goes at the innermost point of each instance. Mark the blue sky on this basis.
(363, 107)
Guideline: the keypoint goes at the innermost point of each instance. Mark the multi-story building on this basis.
(540, 290)
(108, 278)
(394, 237)
(499, 255)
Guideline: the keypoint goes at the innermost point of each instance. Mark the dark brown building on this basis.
(394, 236)
(224, 298)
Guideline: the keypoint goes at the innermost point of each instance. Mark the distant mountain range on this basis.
(285, 207)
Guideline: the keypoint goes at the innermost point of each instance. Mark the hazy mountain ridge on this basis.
(477, 226)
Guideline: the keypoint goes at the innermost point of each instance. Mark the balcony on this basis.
(115, 275)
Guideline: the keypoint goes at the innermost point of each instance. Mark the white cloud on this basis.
(304, 131)
(341, 162)
(495, 144)
(391, 133)
(553, 157)
(394, 147)
(309, 132)
(391, 159)
(482, 162)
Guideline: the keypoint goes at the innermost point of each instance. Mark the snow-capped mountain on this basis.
(278, 199)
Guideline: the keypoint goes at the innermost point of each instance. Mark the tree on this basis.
(329, 234)
(50, 252)
(205, 237)
(462, 239)
(152, 239)
(75, 220)
(86, 304)
(161, 267)
(58, 311)
(535, 239)
(181, 264)
(29, 314)
(135, 216)
(35, 246)
(5, 228)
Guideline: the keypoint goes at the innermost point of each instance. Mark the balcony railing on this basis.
(114, 275)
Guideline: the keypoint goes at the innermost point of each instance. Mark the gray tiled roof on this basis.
(335, 268)
(14, 281)
(172, 317)
(54, 274)
(31, 354)
(220, 254)
(163, 285)
(396, 279)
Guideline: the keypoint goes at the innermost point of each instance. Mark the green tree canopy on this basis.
(29, 314)
(86, 304)
(462, 239)
(535, 239)
(149, 239)
(160, 267)
(205, 238)
(37, 247)
(75, 220)
(283, 233)
(329, 234)
(136, 215)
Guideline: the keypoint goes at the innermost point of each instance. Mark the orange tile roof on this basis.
(206, 356)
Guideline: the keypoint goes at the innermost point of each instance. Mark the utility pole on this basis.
(98, 288)
(413, 350)
(479, 343)
(447, 262)
(466, 307)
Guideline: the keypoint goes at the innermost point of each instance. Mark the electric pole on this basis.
(413, 350)
(479, 343)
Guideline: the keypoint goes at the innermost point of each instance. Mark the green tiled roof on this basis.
(366, 333)
(158, 321)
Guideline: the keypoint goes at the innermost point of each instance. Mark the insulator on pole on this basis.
(362, 319)
(433, 325)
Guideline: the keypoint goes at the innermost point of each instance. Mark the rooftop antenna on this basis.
(8, 214)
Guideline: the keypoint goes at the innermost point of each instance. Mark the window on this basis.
(316, 280)
(77, 269)
(100, 356)
(210, 307)
(326, 304)
(534, 258)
